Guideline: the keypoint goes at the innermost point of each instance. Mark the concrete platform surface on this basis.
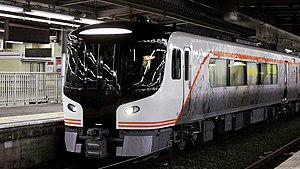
(30, 115)
(30, 109)
(291, 163)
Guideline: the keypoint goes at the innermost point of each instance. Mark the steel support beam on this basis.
(69, 3)
(176, 12)
(122, 11)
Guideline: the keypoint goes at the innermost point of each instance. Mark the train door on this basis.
(187, 77)
(286, 66)
(294, 78)
(177, 75)
(298, 80)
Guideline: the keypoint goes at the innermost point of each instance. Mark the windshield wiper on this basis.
(146, 66)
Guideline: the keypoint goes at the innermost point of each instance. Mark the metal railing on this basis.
(26, 88)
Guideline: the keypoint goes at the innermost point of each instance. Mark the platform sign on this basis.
(58, 65)
(49, 67)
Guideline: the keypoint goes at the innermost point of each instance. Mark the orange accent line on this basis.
(159, 125)
(78, 123)
(249, 57)
(158, 122)
(193, 84)
(216, 53)
(226, 54)
(69, 119)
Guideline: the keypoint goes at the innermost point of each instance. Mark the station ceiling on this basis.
(274, 22)
(281, 14)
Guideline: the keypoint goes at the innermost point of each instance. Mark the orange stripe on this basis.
(158, 122)
(69, 119)
(66, 122)
(159, 125)
(232, 55)
(193, 84)
(216, 53)
(249, 57)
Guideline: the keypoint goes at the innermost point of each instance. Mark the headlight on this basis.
(132, 109)
(72, 107)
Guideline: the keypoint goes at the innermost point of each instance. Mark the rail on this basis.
(20, 88)
(273, 155)
(142, 161)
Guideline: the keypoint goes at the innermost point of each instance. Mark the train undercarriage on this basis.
(99, 143)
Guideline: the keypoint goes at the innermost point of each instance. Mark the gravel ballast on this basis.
(240, 149)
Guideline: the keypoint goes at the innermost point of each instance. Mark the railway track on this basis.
(165, 158)
(236, 149)
(144, 161)
(264, 162)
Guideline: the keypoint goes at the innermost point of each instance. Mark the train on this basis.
(134, 88)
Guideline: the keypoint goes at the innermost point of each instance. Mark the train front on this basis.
(108, 65)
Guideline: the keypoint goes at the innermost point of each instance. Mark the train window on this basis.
(267, 73)
(186, 64)
(176, 64)
(217, 72)
(295, 72)
(252, 73)
(273, 73)
(237, 73)
(265, 77)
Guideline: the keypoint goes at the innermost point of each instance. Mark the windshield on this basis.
(134, 67)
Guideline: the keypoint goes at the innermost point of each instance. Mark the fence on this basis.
(27, 88)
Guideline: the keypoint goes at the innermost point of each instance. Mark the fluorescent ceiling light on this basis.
(17, 42)
(11, 16)
(50, 15)
(88, 21)
(288, 50)
(1, 30)
(38, 20)
(239, 64)
(63, 23)
(105, 31)
(51, 22)
(10, 8)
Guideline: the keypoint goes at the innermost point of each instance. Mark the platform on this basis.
(30, 115)
(291, 163)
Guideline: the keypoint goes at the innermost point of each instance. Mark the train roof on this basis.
(196, 37)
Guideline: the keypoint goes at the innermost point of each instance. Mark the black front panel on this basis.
(98, 107)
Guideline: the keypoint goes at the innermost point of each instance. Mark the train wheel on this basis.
(182, 144)
(155, 155)
(276, 116)
(195, 138)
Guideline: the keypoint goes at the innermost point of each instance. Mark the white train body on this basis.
(184, 101)
(208, 86)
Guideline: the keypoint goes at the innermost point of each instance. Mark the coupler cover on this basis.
(96, 149)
